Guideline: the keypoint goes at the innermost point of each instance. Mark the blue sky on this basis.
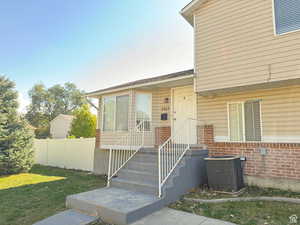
(93, 43)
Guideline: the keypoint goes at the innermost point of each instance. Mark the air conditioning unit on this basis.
(225, 173)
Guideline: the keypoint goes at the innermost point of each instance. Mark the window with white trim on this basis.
(115, 113)
(143, 109)
(244, 121)
(287, 15)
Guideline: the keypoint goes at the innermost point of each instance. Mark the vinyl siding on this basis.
(280, 111)
(236, 46)
(158, 96)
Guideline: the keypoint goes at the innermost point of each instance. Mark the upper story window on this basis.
(287, 15)
(115, 113)
(244, 121)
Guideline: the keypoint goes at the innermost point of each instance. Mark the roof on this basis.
(188, 11)
(144, 82)
(64, 116)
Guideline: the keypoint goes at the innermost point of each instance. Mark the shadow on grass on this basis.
(27, 204)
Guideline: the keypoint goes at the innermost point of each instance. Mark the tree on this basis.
(16, 138)
(84, 123)
(46, 104)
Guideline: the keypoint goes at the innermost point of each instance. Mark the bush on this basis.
(16, 138)
(84, 123)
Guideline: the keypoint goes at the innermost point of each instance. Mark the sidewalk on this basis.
(167, 216)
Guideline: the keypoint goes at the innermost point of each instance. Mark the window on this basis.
(115, 113)
(122, 112)
(109, 113)
(287, 15)
(143, 109)
(244, 121)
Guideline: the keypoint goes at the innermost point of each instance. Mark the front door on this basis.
(184, 108)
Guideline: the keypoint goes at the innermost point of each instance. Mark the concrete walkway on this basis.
(167, 216)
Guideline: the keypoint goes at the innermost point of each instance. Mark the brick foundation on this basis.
(281, 161)
(161, 135)
(97, 144)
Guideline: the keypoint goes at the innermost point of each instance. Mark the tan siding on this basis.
(158, 96)
(158, 104)
(235, 45)
(280, 109)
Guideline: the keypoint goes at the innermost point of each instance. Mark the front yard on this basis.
(27, 198)
(244, 213)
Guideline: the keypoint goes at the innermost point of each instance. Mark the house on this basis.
(60, 126)
(242, 98)
(247, 79)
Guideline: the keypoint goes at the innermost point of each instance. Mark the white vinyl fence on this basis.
(66, 153)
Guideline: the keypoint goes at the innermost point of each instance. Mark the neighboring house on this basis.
(60, 126)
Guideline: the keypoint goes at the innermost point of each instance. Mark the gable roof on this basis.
(144, 82)
(188, 11)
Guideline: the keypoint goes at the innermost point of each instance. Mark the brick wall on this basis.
(161, 135)
(282, 160)
(97, 144)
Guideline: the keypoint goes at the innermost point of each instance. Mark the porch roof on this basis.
(172, 79)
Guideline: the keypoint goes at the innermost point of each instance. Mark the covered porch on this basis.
(147, 112)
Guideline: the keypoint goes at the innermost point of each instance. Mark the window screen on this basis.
(252, 121)
(287, 15)
(122, 113)
(109, 113)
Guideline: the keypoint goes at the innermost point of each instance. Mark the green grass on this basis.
(244, 213)
(27, 198)
(250, 191)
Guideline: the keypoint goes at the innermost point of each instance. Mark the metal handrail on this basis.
(170, 153)
(123, 155)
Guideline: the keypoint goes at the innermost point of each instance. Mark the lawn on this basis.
(249, 191)
(244, 213)
(27, 198)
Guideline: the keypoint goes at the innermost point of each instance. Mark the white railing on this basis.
(173, 150)
(126, 148)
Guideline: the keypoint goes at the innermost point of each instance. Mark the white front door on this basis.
(184, 108)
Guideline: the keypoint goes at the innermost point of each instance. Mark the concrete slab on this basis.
(117, 199)
(68, 217)
(167, 216)
(115, 205)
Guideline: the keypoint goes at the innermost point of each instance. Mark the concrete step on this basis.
(145, 157)
(142, 187)
(142, 166)
(68, 217)
(115, 205)
(138, 176)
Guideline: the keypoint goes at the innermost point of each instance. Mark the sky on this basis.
(94, 43)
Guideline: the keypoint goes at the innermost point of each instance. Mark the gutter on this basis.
(95, 94)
